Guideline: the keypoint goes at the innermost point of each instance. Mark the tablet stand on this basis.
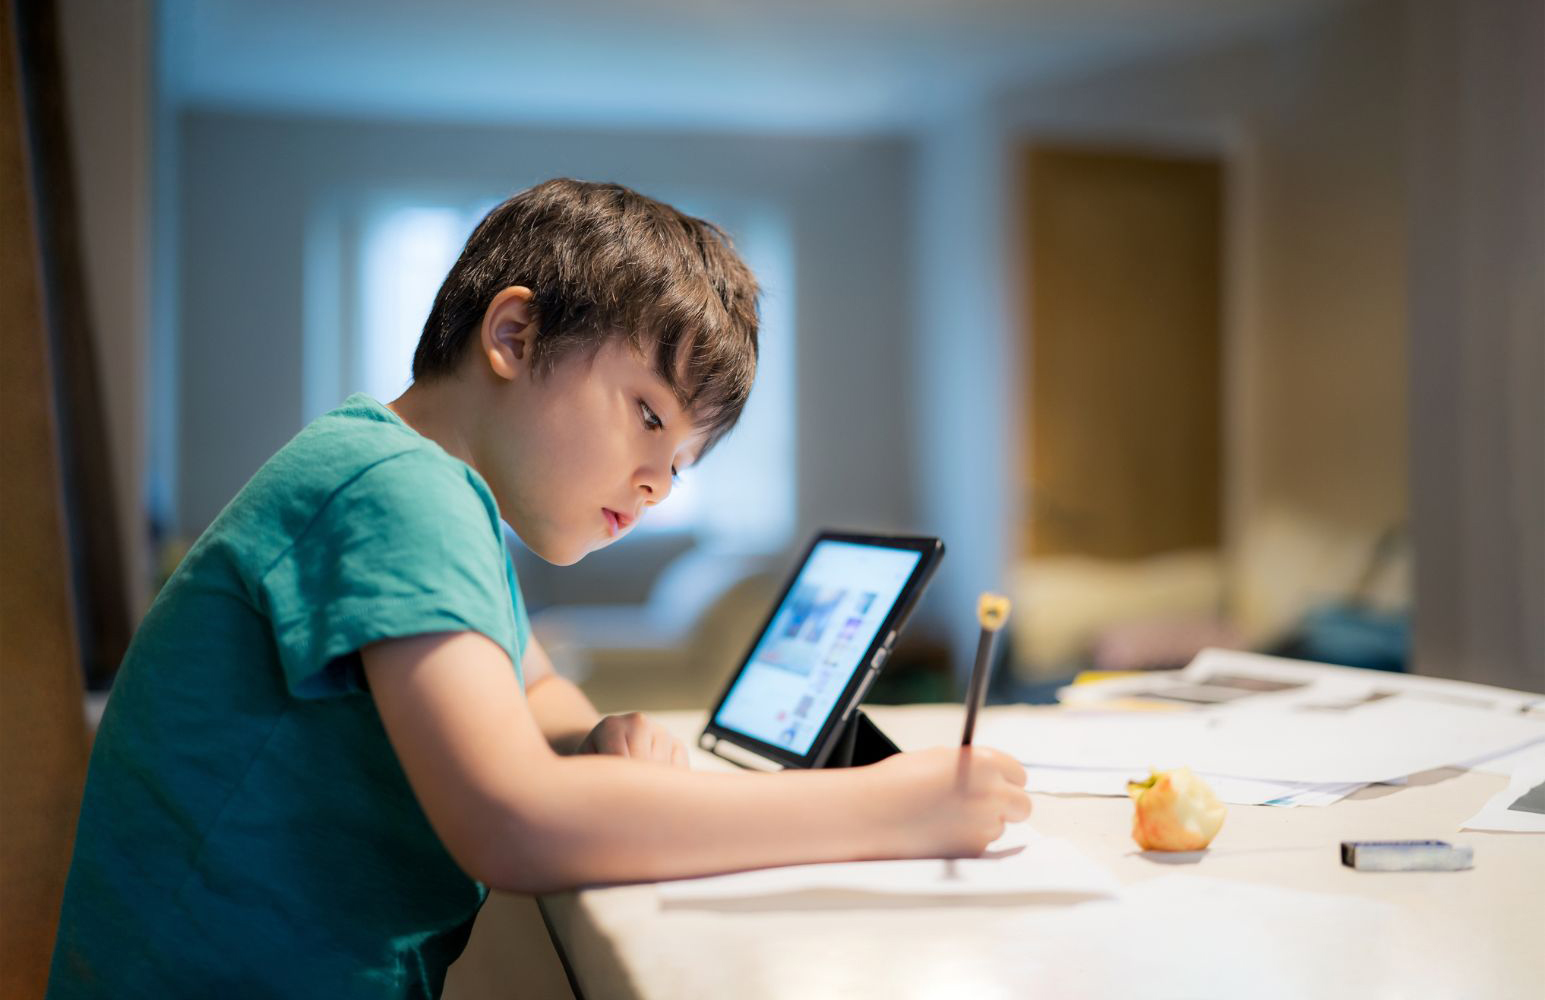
(861, 743)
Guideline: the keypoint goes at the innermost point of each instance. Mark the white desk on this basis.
(1478, 933)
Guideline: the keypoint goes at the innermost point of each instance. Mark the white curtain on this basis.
(1476, 122)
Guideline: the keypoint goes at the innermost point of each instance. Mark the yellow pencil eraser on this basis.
(992, 610)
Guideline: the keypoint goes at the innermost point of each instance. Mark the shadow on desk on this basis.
(821, 899)
(509, 955)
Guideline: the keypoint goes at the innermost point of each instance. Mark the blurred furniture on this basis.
(50, 220)
(674, 650)
(1364, 627)
(42, 729)
(1293, 585)
(1473, 933)
(1066, 607)
(1161, 644)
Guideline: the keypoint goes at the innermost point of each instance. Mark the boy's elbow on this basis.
(516, 866)
(522, 849)
(482, 863)
(524, 876)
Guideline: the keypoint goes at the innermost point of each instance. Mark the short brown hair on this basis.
(603, 261)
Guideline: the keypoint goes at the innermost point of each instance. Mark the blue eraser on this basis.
(1406, 856)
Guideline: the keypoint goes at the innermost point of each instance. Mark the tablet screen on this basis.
(816, 640)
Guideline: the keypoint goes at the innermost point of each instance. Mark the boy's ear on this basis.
(509, 332)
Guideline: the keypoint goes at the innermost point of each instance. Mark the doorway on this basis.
(1124, 352)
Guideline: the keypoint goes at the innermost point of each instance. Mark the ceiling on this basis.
(805, 65)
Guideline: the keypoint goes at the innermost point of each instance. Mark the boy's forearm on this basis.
(517, 816)
(596, 820)
(562, 712)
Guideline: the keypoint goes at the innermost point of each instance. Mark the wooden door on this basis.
(1123, 353)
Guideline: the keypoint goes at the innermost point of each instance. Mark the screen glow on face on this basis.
(815, 643)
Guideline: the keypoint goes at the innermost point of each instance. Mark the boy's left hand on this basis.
(634, 735)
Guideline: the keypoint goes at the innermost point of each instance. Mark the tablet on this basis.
(821, 648)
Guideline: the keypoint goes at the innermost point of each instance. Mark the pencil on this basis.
(992, 611)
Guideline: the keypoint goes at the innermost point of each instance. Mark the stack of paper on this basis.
(1305, 735)
(1237, 791)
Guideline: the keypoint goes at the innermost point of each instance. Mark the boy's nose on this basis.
(654, 487)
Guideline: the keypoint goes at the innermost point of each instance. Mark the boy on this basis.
(332, 730)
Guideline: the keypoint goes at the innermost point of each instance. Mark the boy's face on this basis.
(576, 455)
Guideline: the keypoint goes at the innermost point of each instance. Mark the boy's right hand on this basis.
(954, 801)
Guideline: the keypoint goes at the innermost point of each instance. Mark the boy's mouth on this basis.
(616, 521)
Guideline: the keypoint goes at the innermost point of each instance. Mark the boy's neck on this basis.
(431, 408)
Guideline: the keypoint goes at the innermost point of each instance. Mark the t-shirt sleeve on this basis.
(405, 548)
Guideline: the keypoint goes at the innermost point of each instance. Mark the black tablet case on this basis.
(861, 743)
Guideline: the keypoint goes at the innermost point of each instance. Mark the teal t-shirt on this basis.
(247, 829)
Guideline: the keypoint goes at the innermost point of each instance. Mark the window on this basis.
(371, 278)
(405, 254)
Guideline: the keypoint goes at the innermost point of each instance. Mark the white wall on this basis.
(965, 374)
(1385, 313)
(247, 184)
(1309, 125)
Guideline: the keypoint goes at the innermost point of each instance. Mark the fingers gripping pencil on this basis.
(992, 611)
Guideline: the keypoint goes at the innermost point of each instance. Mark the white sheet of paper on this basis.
(1021, 863)
(1384, 739)
(1496, 814)
(1234, 791)
(1318, 795)
(1509, 763)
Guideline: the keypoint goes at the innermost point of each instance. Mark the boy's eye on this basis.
(653, 422)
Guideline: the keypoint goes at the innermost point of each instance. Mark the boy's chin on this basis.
(561, 556)
(564, 552)
(557, 551)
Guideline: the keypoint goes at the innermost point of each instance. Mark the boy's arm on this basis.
(571, 724)
(517, 816)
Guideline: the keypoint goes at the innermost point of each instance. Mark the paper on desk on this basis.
(1020, 863)
(1234, 791)
(1318, 795)
(1519, 808)
(1510, 762)
(1324, 683)
(1238, 680)
(1389, 738)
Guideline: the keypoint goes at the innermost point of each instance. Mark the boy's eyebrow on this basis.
(674, 392)
(677, 387)
(677, 392)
